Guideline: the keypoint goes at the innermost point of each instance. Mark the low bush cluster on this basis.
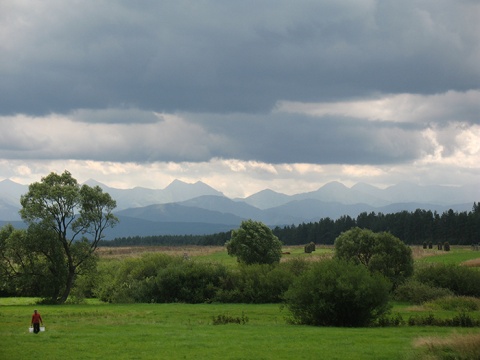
(413, 291)
(455, 303)
(460, 280)
(332, 292)
(255, 284)
(159, 278)
(224, 319)
(462, 319)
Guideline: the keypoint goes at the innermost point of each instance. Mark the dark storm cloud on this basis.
(114, 116)
(289, 138)
(275, 138)
(217, 56)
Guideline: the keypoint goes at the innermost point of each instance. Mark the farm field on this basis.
(182, 331)
(457, 255)
(97, 330)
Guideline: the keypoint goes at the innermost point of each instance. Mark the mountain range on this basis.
(183, 208)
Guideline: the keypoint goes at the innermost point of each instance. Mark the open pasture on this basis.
(182, 331)
(206, 253)
(457, 254)
(122, 252)
(463, 255)
(97, 330)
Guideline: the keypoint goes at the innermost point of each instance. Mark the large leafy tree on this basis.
(254, 243)
(66, 222)
(30, 262)
(379, 252)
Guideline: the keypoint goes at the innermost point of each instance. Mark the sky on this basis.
(241, 95)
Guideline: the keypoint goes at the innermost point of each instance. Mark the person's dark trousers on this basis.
(36, 328)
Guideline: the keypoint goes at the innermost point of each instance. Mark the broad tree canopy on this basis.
(380, 252)
(72, 217)
(254, 243)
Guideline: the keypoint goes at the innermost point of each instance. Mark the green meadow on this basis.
(458, 255)
(183, 331)
(96, 330)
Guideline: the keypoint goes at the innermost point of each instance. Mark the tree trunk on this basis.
(68, 285)
(55, 295)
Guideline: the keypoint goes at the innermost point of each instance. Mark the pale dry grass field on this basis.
(456, 346)
(472, 263)
(137, 251)
(418, 252)
(322, 252)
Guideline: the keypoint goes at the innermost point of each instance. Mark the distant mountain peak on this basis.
(176, 182)
(10, 182)
(181, 205)
(334, 185)
(93, 182)
(267, 198)
(179, 185)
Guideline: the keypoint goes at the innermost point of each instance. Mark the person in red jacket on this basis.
(36, 320)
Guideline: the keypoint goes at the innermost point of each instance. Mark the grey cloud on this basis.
(281, 138)
(270, 138)
(230, 57)
(115, 116)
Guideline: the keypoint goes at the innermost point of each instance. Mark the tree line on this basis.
(412, 227)
(457, 228)
(169, 240)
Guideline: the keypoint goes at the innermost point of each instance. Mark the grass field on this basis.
(458, 255)
(181, 331)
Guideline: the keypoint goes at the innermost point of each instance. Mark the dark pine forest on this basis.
(413, 228)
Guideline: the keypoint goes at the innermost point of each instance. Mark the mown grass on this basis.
(457, 255)
(217, 254)
(182, 331)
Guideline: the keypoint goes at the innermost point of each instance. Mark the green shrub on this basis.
(337, 293)
(389, 320)
(296, 265)
(161, 278)
(131, 280)
(189, 282)
(462, 319)
(223, 319)
(257, 283)
(455, 303)
(416, 292)
(460, 280)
